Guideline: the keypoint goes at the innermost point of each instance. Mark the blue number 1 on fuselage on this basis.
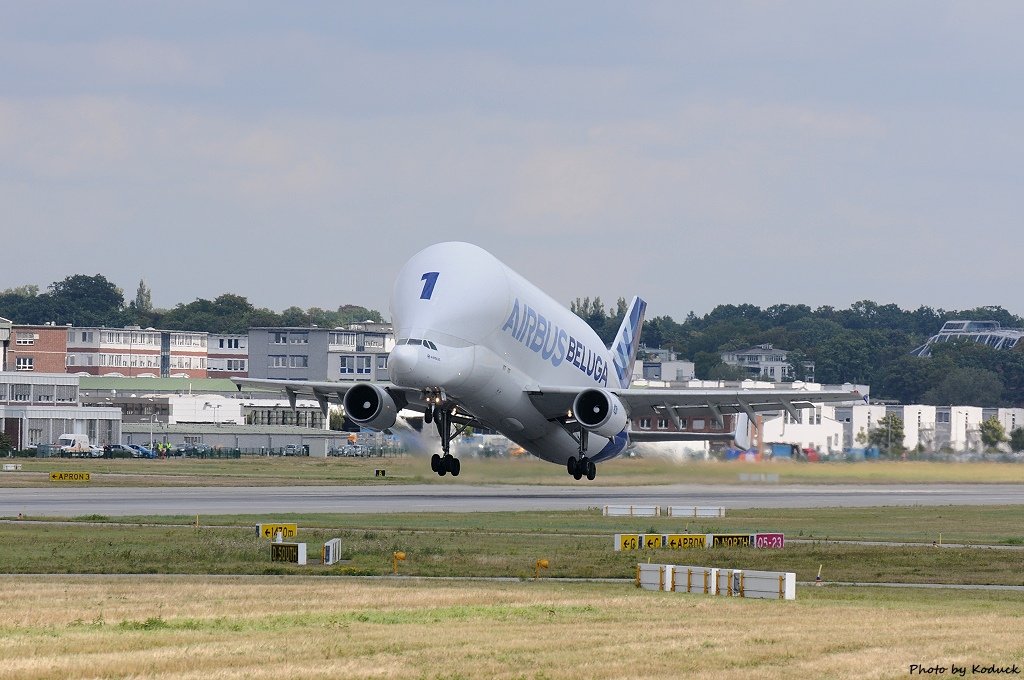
(428, 279)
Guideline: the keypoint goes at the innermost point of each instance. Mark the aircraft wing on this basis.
(328, 392)
(556, 402)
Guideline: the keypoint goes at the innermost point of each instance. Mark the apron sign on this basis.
(69, 476)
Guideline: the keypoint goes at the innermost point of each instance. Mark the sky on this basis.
(695, 154)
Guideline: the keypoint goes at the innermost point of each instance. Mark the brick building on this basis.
(40, 349)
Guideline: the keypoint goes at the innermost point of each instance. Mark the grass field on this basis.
(266, 627)
(577, 544)
(521, 470)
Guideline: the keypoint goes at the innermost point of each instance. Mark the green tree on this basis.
(1017, 440)
(797, 364)
(888, 436)
(143, 298)
(992, 433)
(5, 442)
(966, 387)
(87, 301)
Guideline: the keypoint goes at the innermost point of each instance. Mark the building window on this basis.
(698, 424)
(299, 338)
(278, 338)
(236, 364)
(662, 424)
(645, 423)
(363, 365)
(25, 338)
(278, 361)
(348, 365)
(25, 364)
(299, 361)
(346, 339)
(382, 362)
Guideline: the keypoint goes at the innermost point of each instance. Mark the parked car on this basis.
(96, 451)
(141, 451)
(117, 451)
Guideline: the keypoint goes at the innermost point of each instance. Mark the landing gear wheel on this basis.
(435, 463)
(591, 470)
(428, 414)
(456, 466)
(579, 468)
(571, 465)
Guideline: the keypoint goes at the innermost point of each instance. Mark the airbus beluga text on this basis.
(477, 345)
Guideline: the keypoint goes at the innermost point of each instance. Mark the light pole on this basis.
(215, 407)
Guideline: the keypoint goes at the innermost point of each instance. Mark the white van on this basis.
(74, 444)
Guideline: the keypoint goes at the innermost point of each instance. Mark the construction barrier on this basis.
(703, 580)
(631, 511)
(771, 585)
(12, 467)
(650, 576)
(695, 511)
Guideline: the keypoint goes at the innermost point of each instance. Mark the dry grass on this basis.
(249, 627)
(521, 470)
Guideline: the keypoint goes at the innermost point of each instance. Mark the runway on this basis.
(122, 501)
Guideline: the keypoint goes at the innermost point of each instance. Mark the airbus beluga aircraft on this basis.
(477, 345)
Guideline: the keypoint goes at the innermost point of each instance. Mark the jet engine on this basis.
(370, 406)
(600, 412)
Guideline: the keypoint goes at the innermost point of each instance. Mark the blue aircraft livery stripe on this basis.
(614, 447)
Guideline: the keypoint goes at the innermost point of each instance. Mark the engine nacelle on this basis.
(370, 406)
(600, 412)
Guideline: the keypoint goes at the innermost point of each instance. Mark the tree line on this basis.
(82, 300)
(867, 343)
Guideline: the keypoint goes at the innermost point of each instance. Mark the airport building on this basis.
(228, 356)
(39, 349)
(37, 408)
(136, 352)
(989, 333)
(358, 352)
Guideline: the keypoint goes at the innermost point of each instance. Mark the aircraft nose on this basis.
(402, 362)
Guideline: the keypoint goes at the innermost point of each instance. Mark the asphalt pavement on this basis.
(66, 501)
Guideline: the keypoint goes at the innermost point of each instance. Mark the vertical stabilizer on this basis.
(627, 341)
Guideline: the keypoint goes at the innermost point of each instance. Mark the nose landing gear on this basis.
(441, 415)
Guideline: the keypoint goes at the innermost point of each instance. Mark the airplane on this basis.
(477, 345)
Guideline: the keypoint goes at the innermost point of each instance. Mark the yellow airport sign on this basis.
(271, 530)
(628, 541)
(679, 541)
(69, 476)
(652, 540)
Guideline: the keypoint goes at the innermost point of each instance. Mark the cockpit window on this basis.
(415, 341)
(430, 345)
(401, 342)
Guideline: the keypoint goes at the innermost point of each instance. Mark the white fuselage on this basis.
(497, 336)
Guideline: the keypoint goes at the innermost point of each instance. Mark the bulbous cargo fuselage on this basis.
(467, 325)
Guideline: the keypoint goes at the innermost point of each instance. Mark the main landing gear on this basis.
(582, 466)
(442, 417)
